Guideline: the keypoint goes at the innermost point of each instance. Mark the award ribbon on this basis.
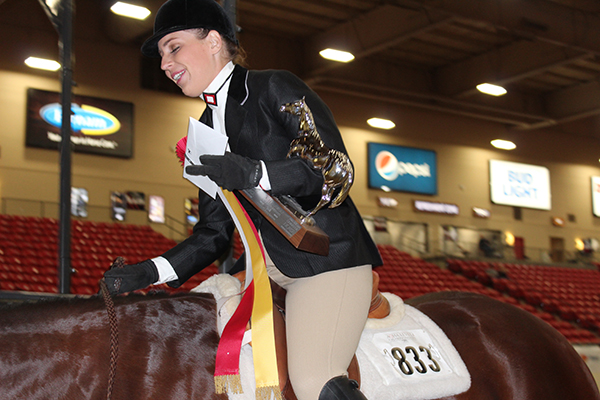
(256, 305)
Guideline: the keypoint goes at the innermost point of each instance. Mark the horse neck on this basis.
(306, 121)
(311, 135)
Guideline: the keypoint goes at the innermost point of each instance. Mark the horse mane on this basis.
(62, 300)
(26, 303)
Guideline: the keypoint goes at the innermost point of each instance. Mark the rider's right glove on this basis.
(131, 277)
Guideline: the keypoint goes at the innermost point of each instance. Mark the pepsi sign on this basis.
(403, 169)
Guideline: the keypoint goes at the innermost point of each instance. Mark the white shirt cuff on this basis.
(264, 183)
(166, 273)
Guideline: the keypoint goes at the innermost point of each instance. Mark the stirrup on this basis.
(341, 388)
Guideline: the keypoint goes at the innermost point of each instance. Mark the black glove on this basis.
(229, 171)
(131, 277)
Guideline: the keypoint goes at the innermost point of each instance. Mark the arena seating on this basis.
(29, 253)
(569, 295)
(408, 276)
(566, 298)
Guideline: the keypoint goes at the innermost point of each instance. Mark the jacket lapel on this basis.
(206, 117)
(235, 113)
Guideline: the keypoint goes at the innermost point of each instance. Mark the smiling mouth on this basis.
(177, 76)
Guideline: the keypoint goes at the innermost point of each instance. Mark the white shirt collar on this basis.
(221, 84)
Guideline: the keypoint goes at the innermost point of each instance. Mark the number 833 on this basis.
(408, 368)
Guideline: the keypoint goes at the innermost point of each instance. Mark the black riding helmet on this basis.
(178, 15)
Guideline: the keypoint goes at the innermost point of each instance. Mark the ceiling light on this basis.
(42, 63)
(503, 144)
(381, 123)
(492, 90)
(337, 55)
(130, 10)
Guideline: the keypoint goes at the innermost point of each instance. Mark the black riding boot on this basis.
(341, 388)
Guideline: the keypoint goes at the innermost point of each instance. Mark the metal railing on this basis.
(177, 230)
(505, 253)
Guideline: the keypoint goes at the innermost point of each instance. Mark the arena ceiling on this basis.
(432, 53)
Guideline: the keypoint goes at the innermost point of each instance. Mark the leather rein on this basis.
(114, 337)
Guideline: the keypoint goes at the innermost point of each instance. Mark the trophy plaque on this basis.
(290, 220)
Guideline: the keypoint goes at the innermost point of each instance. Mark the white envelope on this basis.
(202, 139)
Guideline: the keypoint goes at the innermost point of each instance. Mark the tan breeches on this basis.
(325, 315)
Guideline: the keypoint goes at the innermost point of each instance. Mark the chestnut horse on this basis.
(60, 349)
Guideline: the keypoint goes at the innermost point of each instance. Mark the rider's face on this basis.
(192, 63)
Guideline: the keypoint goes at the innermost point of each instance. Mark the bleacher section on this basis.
(29, 253)
(566, 298)
(569, 295)
(408, 277)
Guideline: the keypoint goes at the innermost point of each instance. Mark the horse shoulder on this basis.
(168, 348)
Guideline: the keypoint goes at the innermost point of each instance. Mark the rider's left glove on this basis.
(229, 171)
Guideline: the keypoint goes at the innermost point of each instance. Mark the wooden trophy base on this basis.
(302, 236)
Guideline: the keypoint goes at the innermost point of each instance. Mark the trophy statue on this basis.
(284, 212)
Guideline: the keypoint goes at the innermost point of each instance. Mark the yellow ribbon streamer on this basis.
(263, 335)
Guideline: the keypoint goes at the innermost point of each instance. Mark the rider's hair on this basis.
(234, 51)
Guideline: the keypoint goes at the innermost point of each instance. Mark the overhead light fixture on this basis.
(381, 123)
(503, 144)
(130, 10)
(336, 55)
(42, 63)
(492, 90)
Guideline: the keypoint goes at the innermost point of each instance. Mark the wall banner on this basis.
(156, 209)
(404, 169)
(596, 195)
(436, 207)
(98, 126)
(118, 204)
(520, 185)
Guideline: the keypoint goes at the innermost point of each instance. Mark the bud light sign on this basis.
(519, 185)
(402, 169)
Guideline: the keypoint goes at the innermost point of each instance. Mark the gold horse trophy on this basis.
(296, 224)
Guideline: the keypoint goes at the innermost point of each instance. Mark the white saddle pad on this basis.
(404, 356)
(409, 358)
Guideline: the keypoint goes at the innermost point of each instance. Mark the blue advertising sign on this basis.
(403, 169)
(98, 126)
